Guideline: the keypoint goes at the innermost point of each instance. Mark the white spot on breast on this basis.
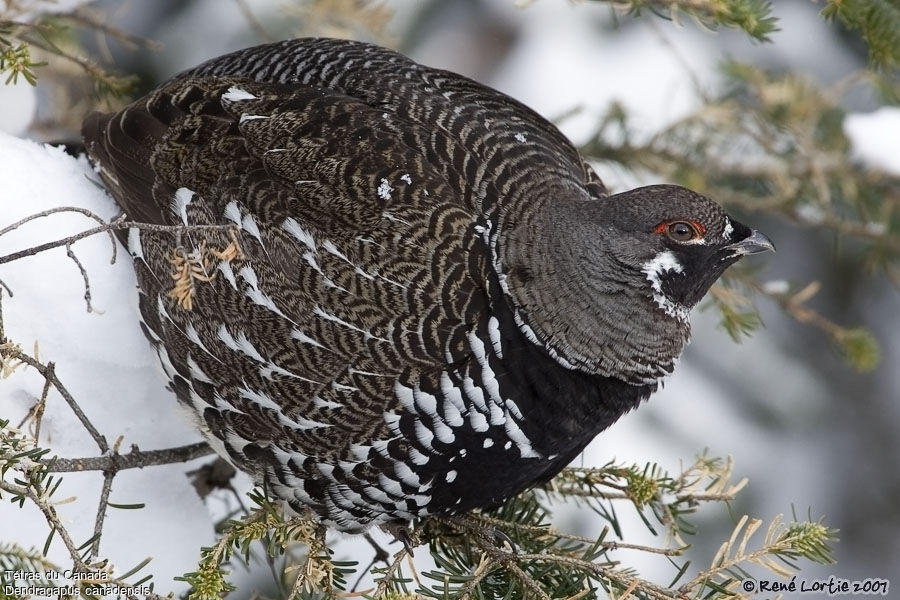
(441, 431)
(417, 457)
(424, 435)
(451, 476)
(346, 498)
(406, 475)
(497, 414)
(377, 495)
(521, 440)
(310, 258)
(392, 420)
(488, 442)
(236, 94)
(405, 177)
(425, 402)
(494, 333)
(451, 392)
(474, 394)
(420, 500)
(405, 396)
(520, 137)
(155, 339)
(513, 408)
(488, 379)
(452, 415)
(390, 486)
(478, 421)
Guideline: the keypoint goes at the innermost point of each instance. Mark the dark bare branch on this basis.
(113, 226)
(136, 459)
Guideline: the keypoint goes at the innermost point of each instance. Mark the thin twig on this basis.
(136, 459)
(57, 210)
(48, 373)
(383, 585)
(485, 567)
(527, 580)
(113, 226)
(108, 477)
(84, 277)
(42, 404)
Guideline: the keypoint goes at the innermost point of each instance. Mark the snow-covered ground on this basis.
(105, 362)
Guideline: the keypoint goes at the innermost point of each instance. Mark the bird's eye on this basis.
(682, 231)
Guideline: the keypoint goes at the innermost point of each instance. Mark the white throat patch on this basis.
(654, 268)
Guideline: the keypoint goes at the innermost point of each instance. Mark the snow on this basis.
(875, 137)
(19, 104)
(105, 362)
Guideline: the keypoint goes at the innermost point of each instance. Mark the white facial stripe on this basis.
(654, 269)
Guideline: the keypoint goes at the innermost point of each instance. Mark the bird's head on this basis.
(607, 283)
(674, 243)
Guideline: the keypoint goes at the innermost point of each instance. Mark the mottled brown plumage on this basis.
(431, 304)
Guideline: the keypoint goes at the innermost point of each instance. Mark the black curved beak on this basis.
(752, 244)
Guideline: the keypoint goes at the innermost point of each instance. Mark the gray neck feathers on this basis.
(583, 298)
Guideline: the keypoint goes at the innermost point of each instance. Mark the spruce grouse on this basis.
(427, 301)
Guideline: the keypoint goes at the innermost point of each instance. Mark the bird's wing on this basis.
(353, 251)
